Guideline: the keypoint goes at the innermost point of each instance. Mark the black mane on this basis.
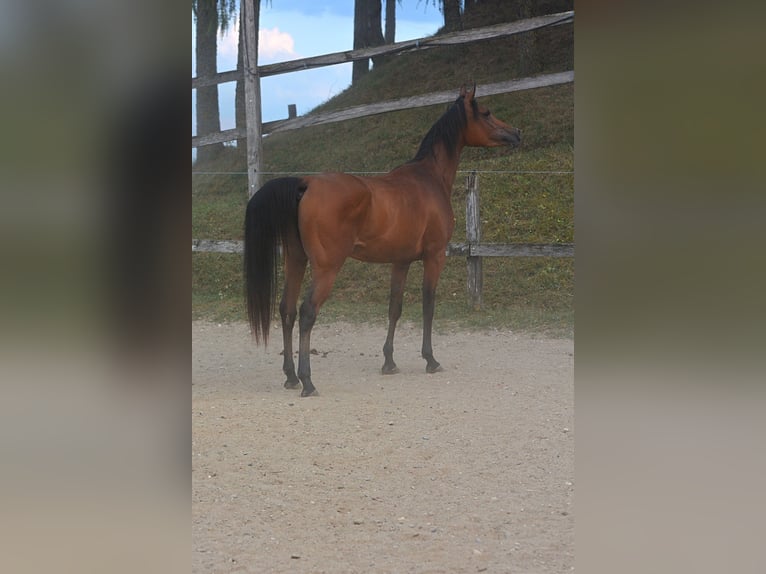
(447, 130)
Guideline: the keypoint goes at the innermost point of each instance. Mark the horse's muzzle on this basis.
(512, 137)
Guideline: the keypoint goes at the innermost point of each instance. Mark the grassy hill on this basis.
(520, 293)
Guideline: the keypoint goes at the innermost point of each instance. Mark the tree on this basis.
(452, 17)
(208, 121)
(367, 33)
(389, 30)
(210, 16)
(240, 117)
(390, 34)
(482, 12)
(529, 61)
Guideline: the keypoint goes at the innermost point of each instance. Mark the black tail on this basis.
(271, 219)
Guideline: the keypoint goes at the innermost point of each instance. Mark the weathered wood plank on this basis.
(458, 250)
(486, 33)
(473, 236)
(219, 137)
(461, 37)
(389, 106)
(453, 249)
(219, 78)
(418, 101)
(522, 250)
(216, 246)
(252, 97)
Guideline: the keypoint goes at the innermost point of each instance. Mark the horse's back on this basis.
(334, 198)
(384, 219)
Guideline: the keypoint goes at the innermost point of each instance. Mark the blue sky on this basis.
(293, 29)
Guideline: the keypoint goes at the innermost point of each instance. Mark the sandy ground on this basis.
(467, 470)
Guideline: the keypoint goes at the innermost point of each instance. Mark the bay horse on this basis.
(400, 217)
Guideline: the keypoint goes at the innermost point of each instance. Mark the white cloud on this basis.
(272, 42)
(273, 46)
(227, 43)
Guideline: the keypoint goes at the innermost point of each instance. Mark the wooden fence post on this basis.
(473, 237)
(252, 95)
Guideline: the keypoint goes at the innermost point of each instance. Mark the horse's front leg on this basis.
(432, 268)
(398, 279)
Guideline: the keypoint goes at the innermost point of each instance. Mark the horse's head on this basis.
(482, 128)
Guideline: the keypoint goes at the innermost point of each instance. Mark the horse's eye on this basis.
(486, 114)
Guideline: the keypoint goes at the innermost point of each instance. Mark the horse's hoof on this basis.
(292, 384)
(435, 368)
(311, 393)
(386, 370)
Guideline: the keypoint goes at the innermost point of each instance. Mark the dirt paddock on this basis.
(467, 470)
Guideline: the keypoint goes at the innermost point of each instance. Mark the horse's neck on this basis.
(444, 166)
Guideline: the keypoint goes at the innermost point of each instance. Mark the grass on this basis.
(530, 294)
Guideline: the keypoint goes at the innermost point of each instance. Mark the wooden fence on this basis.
(430, 99)
(252, 72)
(473, 249)
(452, 38)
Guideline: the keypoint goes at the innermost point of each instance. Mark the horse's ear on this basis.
(473, 91)
(462, 91)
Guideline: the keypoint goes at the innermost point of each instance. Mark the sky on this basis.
(294, 29)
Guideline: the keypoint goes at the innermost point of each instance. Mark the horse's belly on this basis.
(375, 252)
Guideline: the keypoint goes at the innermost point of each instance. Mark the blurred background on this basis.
(94, 339)
(94, 221)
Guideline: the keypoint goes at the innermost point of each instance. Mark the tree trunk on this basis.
(375, 28)
(239, 93)
(390, 35)
(208, 120)
(368, 32)
(452, 18)
(360, 67)
(529, 63)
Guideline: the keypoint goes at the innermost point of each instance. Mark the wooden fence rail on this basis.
(388, 106)
(487, 32)
(453, 249)
(452, 38)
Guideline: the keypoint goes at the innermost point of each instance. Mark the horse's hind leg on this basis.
(295, 267)
(321, 286)
(398, 278)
